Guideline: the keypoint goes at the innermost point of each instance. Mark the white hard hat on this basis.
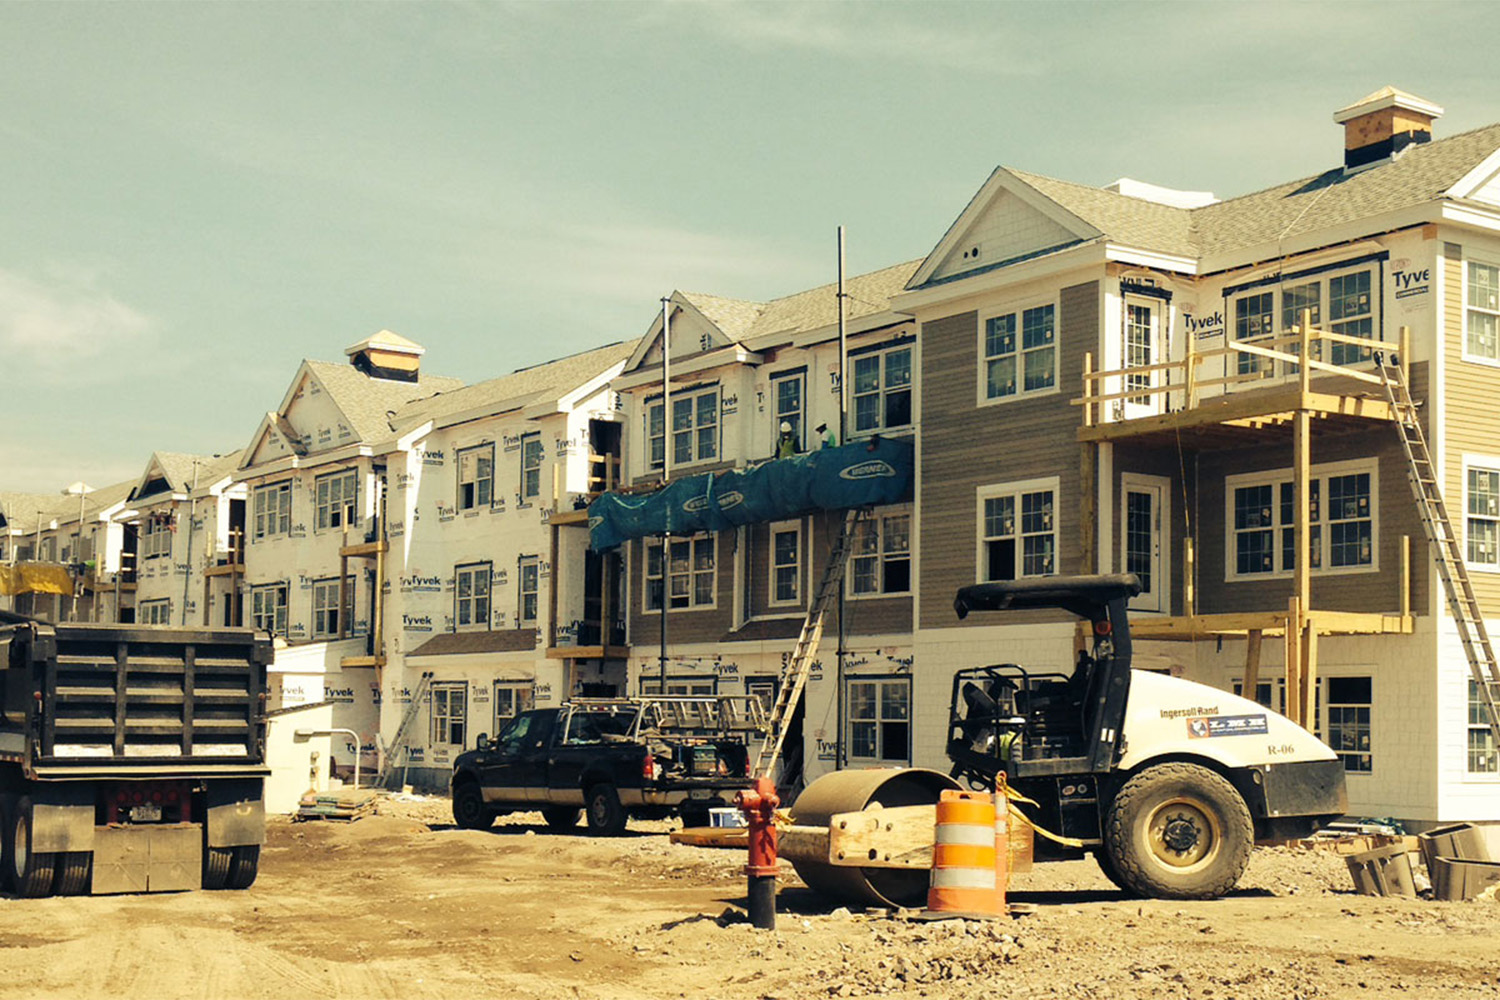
(786, 427)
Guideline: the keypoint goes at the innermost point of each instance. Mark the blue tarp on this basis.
(864, 473)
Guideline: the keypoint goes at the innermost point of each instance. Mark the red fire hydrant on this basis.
(759, 803)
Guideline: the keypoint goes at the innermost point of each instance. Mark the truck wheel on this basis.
(469, 810)
(561, 817)
(30, 872)
(245, 866)
(694, 817)
(606, 815)
(73, 871)
(1108, 868)
(216, 864)
(1178, 831)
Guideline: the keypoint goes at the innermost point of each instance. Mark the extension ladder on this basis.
(404, 730)
(1446, 545)
(799, 665)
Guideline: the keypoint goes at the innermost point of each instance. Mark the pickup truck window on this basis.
(594, 727)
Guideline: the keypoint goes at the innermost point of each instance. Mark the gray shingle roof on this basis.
(520, 388)
(367, 401)
(734, 317)
(1120, 217)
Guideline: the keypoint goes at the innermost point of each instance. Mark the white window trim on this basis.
(879, 514)
(164, 605)
(476, 569)
(521, 565)
(1279, 329)
(331, 584)
(981, 385)
(1486, 462)
(782, 527)
(271, 490)
(522, 704)
(449, 717)
(983, 493)
(1274, 478)
(909, 346)
(349, 504)
(285, 607)
(477, 449)
(1326, 718)
(646, 544)
(541, 460)
(777, 379)
(849, 721)
(669, 434)
(1463, 304)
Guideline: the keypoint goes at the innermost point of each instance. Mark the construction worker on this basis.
(826, 437)
(787, 445)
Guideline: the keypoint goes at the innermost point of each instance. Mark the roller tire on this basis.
(30, 873)
(1178, 831)
(606, 816)
(74, 870)
(245, 866)
(217, 862)
(562, 817)
(469, 810)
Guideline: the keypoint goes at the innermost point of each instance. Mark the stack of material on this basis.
(344, 804)
(1458, 861)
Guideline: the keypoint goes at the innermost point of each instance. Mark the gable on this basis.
(691, 334)
(314, 418)
(268, 445)
(1007, 228)
(1489, 190)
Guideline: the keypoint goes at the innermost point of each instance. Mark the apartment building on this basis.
(60, 553)
(1110, 381)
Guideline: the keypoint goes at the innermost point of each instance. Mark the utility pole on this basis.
(666, 467)
(840, 756)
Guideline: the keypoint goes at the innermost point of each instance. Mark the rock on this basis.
(842, 913)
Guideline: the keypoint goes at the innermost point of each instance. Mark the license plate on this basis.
(148, 813)
(700, 793)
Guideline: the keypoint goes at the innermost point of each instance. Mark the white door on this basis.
(1143, 539)
(1142, 348)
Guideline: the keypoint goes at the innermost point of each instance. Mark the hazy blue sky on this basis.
(196, 196)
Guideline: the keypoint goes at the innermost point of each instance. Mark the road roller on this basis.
(1166, 782)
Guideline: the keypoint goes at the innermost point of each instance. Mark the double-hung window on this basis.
(788, 390)
(329, 616)
(1017, 531)
(1349, 705)
(882, 556)
(529, 572)
(879, 712)
(1351, 312)
(268, 608)
(882, 389)
(1252, 322)
(656, 435)
(688, 569)
(1261, 515)
(695, 428)
(154, 613)
(511, 699)
(476, 477)
(1020, 352)
(471, 608)
(450, 712)
(1483, 758)
(1270, 311)
(335, 498)
(1482, 523)
(531, 466)
(1482, 311)
(156, 536)
(786, 563)
(273, 510)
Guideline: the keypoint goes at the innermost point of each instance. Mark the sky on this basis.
(196, 196)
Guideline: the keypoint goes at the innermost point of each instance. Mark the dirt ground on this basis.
(403, 905)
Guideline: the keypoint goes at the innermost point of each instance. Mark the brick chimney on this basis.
(387, 355)
(1382, 124)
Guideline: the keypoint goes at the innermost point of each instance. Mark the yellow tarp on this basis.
(35, 578)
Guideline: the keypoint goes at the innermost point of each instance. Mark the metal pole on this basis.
(187, 573)
(839, 755)
(666, 467)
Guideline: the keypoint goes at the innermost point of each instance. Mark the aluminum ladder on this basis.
(1446, 546)
(402, 731)
(799, 665)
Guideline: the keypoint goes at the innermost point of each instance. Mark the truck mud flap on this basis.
(236, 812)
(62, 818)
(165, 858)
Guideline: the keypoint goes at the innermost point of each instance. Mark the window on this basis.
(156, 536)
(1140, 348)
(882, 390)
(1262, 521)
(449, 713)
(530, 575)
(273, 510)
(1349, 721)
(681, 687)
(328, 617)
(1016, 365)
(1269, 311)
(335, 496)
(268, 608)
(511, 699)
(1350, 312)
(476, 477)
(695, 428)
(47, 550)
(787, 391)
(880, 719)
(1482, 756)
(786, 564)
(1482, 525)
(472, 595)
(656, 435)
(1482, 312)
(1272, 695)
(1017, 531)
(689, 570)
(882, 555)
(154, 613)
(531, 465)
(1252, 321)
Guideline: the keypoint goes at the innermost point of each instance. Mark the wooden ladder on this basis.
(1446, 546)
(404, 730)
(794, 674)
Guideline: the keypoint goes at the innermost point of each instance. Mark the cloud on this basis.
(53, 324)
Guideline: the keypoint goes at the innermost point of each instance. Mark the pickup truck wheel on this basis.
(606, 815)
(1178, 831)
(469, 810)
(561, 817)
(694, 817)
(216, 864)
(243, 868)
(30, 872)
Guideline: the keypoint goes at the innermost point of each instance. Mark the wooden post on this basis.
(1304, 342)
(1189, 591)
(549, 637)
(1190, 375)
(1403, 347)
(1088, 507)
(1309, 678)
(1405, 604)
(1252, 663)
(377, 623)
(1292, 642)
(1302, 498)
(343, 580)
(1088, 389)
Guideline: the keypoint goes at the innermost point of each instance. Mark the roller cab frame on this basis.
(132, 757)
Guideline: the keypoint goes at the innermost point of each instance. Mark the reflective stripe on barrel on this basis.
(964, 856)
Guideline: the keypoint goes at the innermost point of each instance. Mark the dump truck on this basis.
(1166, 782)
(132, 757)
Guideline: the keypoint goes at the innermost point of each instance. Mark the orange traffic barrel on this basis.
(969, 856)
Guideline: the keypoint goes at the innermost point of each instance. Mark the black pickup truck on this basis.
(610, 759)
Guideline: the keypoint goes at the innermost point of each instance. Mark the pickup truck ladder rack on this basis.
(1446, 546)
(403, 731)
(794, 674)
